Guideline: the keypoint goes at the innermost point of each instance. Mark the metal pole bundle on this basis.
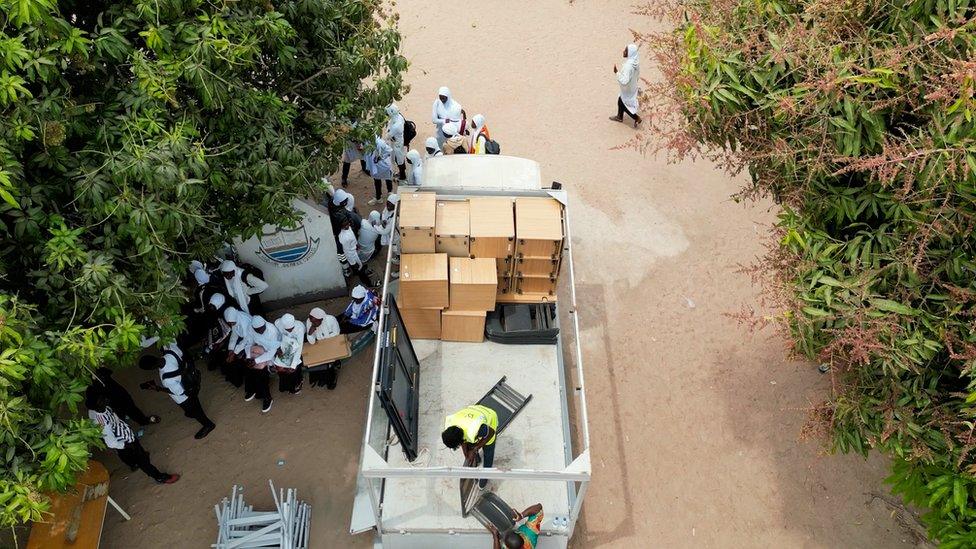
(239, 526)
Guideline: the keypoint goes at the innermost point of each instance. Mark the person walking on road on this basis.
(629, 79)
(118, 436)
(184, 392)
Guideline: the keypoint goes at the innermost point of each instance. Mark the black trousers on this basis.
(488, 453)
(291, 382)
(379, 189)
(359, 270)
(346, 327)
(402, 168)
(327, 377)
(345, 171)
(193, 409)
(233, 371)
(621, 109)
(256, 382)
(134, 455)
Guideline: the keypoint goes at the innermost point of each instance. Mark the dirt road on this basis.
(694, 421)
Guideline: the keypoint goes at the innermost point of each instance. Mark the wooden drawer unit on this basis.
(504, 285)
(473, 284)
(533, 266)
(422, 323)
(538, 228)
(423, 281)
(463, 326)
(492, 227)
(451, 228)
(535, 285)
(503, 267)
(417, 219)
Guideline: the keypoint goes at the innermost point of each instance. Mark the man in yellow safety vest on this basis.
(472, 428)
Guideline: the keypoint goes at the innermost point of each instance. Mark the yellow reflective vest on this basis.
(470, 420)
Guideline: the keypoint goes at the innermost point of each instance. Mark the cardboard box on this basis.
(473, 284)
(451, 228)
(417, 218)
(422, 323)
(535, 285)
(538, 227)
(325, 351)
(463, 326)
(532, 266)
(423, 281)
(492, 227)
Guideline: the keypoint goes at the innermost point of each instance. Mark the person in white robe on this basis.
(454, 141)
(321, 325)
(415, 172)
(242, 287)
(394, 137)
(267, 340)
(432, 148)
(288, 359)
(629, 79)
(380, 167)
(239, 343)
(345, 199)
(479, 135)
(350, 249)
(368, 235)
(445, 110)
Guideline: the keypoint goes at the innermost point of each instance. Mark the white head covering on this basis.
(339, 196)
(227, 266)
(147, 342)
(230, 315)
(287, 321)
(317, 313)
(201, 276)
(257, 321)
(431, 143)
(632, 53)
(445, 91)
(393, 198)
(413, 157)
(374, 216)
(451, 129)
(392, 109)
(217, 300)
(195, 266)
(446, 111)
(359, 292)
(478, 121)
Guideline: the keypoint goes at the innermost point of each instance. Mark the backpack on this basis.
(492, 146)
(189, 372)
(409, 132)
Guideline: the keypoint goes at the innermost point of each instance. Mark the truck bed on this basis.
(457, 374)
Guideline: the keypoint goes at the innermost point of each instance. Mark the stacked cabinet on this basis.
(492, 235)
(538, 245)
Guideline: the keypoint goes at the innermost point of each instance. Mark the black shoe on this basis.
(267, 405)
(204, 431)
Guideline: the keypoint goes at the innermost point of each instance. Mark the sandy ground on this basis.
(694, 421)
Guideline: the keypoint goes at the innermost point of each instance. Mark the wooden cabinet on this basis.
(473, 284)
(542, 285)
(532, 266)
(492, 227)
(463, 326)
(423, 281)
(538, 228)
(422, 323)
(451, 228)
(417, 219)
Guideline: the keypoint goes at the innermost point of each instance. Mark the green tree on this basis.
(858, 118)
(134, 136)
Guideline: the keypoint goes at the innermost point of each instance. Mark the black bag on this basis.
(492, 146)
(409, 132)
(189, 373)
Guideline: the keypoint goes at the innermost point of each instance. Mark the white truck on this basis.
(412, 491)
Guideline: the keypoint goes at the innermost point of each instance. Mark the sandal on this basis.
(153, 419)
